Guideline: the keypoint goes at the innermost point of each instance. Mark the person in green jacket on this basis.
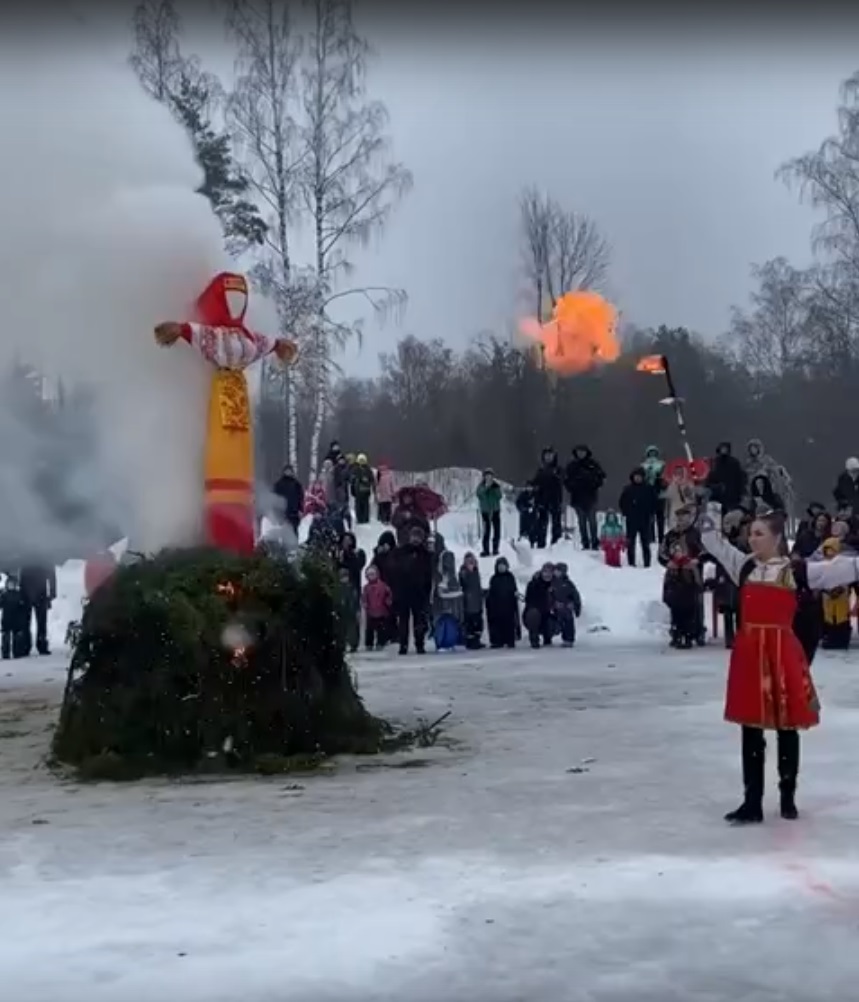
(489, 500)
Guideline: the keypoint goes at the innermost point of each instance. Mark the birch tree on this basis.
(348, 184)
(261, 114)
(562, 250)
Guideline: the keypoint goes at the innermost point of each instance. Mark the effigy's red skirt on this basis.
(769, 680)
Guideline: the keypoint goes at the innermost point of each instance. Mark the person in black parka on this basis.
(414, 572)
(525, 505)
(726, 481)
(502, 607)
(637, 504)
(583, 479)
(38, 584)
(290, 497)
(548, 499)
(15, 638)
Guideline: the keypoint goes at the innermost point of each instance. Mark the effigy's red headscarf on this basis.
(224, 302)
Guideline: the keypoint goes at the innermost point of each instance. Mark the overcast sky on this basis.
(670, 146)
(667, 135)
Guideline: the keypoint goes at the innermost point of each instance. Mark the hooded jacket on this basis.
(760, 463)
(548, 482)
(654, 466)
(637, 501)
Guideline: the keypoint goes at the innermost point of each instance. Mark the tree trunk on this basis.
(290, 419)
(318, 422)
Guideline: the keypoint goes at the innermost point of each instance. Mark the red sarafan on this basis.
(769, 681)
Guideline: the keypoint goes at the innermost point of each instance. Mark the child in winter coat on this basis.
(384, 493)
(448, 606)
(377, 600)
(350, 610)
(15, 638)
(472, 601)
(566, 604)
(612, 538)
(836, 608)
(352, 559)
(502, 607)
(315, 499)
(681, 592)
(383, 556)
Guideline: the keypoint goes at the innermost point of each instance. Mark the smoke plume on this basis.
(101, 237)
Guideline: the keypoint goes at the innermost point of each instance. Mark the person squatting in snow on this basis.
(552, 605)
(769, 674)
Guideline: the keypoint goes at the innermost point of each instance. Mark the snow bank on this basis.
(620, 603)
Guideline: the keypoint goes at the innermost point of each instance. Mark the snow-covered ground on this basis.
(562, 841)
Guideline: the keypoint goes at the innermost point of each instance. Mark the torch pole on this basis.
(677, 404)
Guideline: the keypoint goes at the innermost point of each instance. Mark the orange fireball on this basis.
(581, 334)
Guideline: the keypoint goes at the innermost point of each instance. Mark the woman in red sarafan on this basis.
(769, 675)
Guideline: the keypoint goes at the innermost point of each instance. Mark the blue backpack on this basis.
(447, 633)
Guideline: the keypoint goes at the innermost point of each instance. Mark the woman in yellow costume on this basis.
(219, 334)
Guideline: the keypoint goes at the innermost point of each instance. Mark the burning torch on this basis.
(657, 365)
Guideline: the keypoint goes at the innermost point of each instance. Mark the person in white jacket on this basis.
(769, 678)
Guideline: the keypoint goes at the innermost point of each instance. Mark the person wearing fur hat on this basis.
(846, 491)
(489, 501)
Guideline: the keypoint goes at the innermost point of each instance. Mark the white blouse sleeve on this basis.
(731, 559)
(836, 573)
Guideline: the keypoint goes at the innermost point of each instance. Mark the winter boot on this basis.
(403, 649)
(754, 760)
(788, 768)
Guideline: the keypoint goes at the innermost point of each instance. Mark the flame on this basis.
(653, 364)
(580, 335)
(240, 657)
(227, 588)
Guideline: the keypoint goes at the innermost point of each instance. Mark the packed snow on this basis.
(562, 840)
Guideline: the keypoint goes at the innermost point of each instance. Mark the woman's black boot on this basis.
(788, 769)
(751, 810)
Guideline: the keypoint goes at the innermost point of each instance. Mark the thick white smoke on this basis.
(101, 237)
